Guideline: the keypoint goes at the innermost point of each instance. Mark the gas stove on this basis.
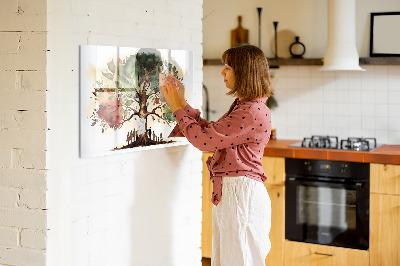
(332, 142)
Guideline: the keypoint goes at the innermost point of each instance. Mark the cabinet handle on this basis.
(324, 254)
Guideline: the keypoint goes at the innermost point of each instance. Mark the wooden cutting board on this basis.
(239, 35)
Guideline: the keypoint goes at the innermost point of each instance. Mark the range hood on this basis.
(341, 51)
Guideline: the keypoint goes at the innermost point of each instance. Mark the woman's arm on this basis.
(174, 93)
(239, 127)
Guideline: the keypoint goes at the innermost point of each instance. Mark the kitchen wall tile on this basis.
(324, 101)
(342, 133)
(381, 84)
(317, 121)
(317, 131)
(316, 82)
(342, 96)
(304, 72)
(304, 82)
(304, 95)
(329, 122)
(380, 71)
(304, 131)
(329, 109)
(292, 106)
(304, 109)
(354, 80)
(291, 133)
(331, 131)
(394, 123)
(381, 136)
(355, 132)
(393, 71)
(394, 82)
(368, 122)
(381, 97)
(354, 122)
(367, 96)
(342, 109)
(342, 122)
(329, 93)
(292, 82)
(316, 72)
(328, 74)
(293, 120)
(367, 133)
(394, 137)
(367, 82)
(367, 110)
(317, 108)
(382, 110)
(394, 110)
(342, 80)
(369, 70)
(278, 71)
(291, 71)
(355, 96)
(394, 97)
(278, 82)
(382, 123)
(317, 95)
(355, 109)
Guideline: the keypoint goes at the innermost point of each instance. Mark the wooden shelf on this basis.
(274, 63)
(380, 61)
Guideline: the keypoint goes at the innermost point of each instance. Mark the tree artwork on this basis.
(126, 98)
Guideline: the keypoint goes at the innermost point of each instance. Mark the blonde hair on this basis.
(250, 66)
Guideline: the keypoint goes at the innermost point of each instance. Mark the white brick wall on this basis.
(137, 208)
(23, 132)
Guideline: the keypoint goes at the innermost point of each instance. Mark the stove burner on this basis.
(328, 142)
(358, 144)
(332, 142)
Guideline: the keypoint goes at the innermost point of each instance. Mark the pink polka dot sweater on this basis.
(238, 139)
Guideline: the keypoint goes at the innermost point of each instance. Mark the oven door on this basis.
(327, 213)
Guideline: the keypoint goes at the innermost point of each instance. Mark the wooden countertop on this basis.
(389, 154)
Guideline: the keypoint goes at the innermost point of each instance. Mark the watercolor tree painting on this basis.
(125, 106)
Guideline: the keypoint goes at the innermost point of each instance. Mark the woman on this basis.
(242, 208)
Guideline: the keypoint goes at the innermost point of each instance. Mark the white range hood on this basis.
(341, 51)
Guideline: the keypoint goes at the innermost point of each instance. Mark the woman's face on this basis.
(229, 76)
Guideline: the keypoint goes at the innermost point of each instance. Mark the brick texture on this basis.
(23, 125)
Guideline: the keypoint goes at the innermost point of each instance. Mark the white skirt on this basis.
(241, 223)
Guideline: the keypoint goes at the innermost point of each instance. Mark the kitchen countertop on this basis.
(389, 154)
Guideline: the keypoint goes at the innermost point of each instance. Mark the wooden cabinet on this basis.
(384, 230)
(385, 178)
(274, 168)
(304, 254)
(206, 226)
(277, 233)
(385, 215)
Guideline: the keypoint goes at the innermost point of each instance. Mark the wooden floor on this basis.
(206, 261)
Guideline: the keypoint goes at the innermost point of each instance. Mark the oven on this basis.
(327, 202)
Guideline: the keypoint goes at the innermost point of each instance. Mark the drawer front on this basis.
(385, 178)
(274, 168)
(297, 253)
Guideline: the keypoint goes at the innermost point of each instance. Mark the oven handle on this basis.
(357, 185)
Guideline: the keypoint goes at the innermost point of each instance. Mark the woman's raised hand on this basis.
(181, 91)
(174, 93)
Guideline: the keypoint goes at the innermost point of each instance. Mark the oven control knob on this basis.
(308, 166)
(343, 168)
